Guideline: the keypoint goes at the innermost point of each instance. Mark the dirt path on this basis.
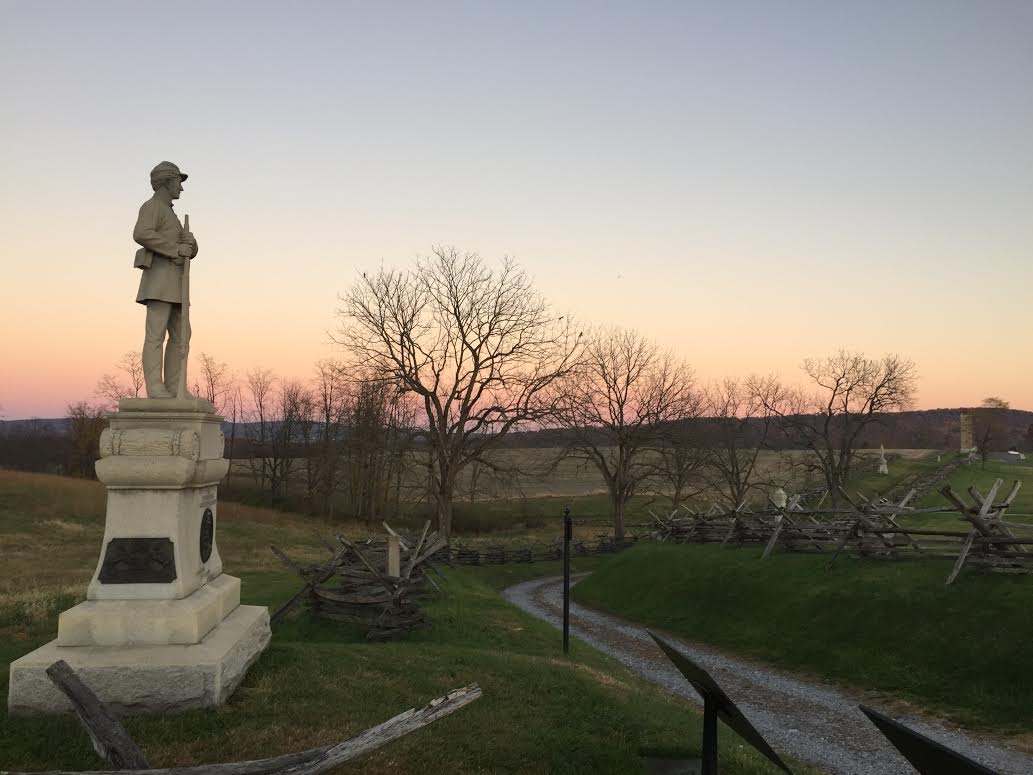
(815, 723)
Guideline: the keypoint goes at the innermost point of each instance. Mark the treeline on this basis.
(20, 445)
(340, 440)
(917, 429)
(347, 443)
(452, 359)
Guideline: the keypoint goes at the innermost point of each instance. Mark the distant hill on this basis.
(53, 425)
(923, 429)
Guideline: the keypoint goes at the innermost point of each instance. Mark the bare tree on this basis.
(259, 419)
(323, 431)
(989, 421)
(850, 392)
(740, 414)
(679, 462)
(381, 429)
(478, 347)
(216, 382)
(112, 388)
(615, 407)
(291, 400)
(272, 425)
(234, 407)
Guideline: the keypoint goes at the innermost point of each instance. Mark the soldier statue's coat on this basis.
(158, 230)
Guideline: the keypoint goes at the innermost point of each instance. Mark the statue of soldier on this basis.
(166, 246)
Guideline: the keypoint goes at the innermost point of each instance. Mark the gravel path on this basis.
(815, 723)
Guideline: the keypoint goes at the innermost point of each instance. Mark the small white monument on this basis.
(883, 465)
(162, 627)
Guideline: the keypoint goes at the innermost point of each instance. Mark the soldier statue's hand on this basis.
(185, 251)
(188, 238)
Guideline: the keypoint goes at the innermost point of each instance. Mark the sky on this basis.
(748, 183)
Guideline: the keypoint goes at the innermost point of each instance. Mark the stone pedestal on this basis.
(162, 627)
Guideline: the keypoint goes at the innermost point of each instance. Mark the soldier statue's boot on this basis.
(152, 372)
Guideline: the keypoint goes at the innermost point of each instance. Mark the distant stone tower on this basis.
(968, 436)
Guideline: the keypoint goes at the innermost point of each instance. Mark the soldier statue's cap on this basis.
(166, 168)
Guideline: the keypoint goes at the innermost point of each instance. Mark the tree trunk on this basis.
(444, 514)
(618, 520)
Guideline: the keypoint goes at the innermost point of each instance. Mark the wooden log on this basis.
(360, 574)
(415, 554)
(434, 546)
(843, 542)
(732, 530)
(110, 739)
(318, 760)
(304, 573)
(333, 596)
(391, 531)
(329, 546)
(925, 532)
(985, 504)
(774, 538)
(362, 558)
(965, 549)
(328, 571)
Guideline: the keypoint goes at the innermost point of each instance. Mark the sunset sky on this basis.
(747, 183)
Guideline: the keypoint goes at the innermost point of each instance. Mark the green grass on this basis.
(901, 470)
(982, 477)
(499, 577)
(888, 627)
(320, 682)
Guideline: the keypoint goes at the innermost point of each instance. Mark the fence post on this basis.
(568, 532)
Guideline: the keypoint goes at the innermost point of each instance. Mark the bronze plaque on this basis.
(138, 561)
(207, 535)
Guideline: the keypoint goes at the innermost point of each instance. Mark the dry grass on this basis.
(319, 682)
(540, 473)
(36, 603)
(52, 529)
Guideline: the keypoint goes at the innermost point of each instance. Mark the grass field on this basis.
(982, 477)
(890, 627)
(535, 499)
(318, 682)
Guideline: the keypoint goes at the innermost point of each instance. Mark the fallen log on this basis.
(315, 760)
(110, 739)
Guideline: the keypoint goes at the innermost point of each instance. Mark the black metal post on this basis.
(709, 763)
(568, 532)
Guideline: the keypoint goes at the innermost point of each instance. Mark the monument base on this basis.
(150, 622)
(138, 679)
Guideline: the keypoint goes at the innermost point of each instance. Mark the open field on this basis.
(891, 627)
(534, 498)
(982, 477)
(545, 473)
(320, 682)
